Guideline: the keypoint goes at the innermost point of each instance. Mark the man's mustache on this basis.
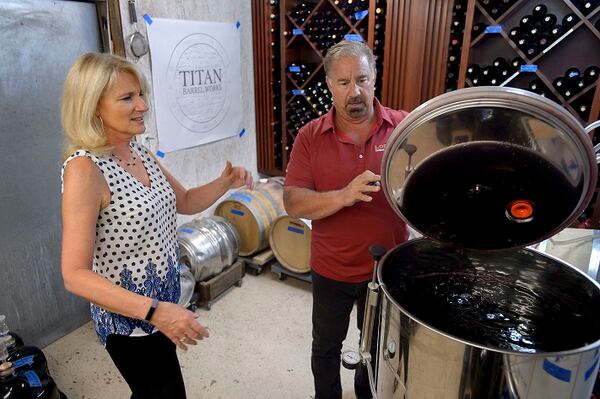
(357, 100)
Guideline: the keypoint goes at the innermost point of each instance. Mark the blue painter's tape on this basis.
(186, 230)
(297, 31)
(298, 92)
(24, 361)
(242, 132)
(237, 24)
(160, 154)
(296, 230)
(361, 14)
(237, 212)
(243, 197)
(556, 371)
(33, 380)
(589, 372)
(148, 19)
(294, 68)
(528, 68)
(493, 29)
(353, 37)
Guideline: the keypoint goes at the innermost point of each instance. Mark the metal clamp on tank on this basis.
(351, 359)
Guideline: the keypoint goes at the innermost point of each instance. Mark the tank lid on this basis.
(489, 168)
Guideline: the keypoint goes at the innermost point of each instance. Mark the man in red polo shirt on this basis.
(333, 179)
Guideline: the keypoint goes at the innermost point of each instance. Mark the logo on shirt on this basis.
(379, 147)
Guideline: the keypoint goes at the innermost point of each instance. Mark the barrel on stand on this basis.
(208, 245)
(290, 242)
(252, 212)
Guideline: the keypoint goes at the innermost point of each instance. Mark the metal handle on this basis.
(592, 126)
(588, 129)
(132, 12)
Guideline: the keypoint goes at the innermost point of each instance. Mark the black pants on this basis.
(148, 364)
(332, 305)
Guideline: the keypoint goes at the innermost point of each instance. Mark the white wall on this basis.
(198, 165)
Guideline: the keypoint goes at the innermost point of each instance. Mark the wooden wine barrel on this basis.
(252, 212)
(290, 242)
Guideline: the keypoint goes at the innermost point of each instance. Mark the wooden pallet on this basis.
(210, 291)
(259, 261)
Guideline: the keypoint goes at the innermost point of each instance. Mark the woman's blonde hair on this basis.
(86, 82)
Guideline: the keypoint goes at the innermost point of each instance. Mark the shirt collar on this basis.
(380, 111)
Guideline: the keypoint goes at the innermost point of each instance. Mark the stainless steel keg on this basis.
(208, 245)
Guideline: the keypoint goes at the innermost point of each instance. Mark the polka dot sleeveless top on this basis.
(136, 245)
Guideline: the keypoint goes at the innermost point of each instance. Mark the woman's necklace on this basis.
(130, 163)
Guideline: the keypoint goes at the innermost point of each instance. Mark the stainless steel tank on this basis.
(208, 245)
(469, 311)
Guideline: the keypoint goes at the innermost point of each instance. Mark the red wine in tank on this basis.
(518, 300)
(489, 195)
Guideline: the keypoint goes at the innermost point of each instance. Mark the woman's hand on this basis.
(236, 176)
(178, 324)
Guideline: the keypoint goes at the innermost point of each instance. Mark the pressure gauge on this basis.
(350, 359)
(138, 44)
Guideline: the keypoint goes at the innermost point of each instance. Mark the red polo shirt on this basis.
(325, 160)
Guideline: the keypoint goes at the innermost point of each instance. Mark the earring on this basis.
(101, 121)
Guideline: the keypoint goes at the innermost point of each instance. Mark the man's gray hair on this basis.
(346, 49)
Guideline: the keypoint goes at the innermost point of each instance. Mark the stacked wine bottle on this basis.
(354, 10)
(319, 98)
(538, 30)
(455, 45)
(299, 113)
(379, 43)
(586, 6)
(495, 8)
(276, 80)
(325, 29)
(301, 12)
(495, 73)
(573, 81)
(23, 369)
(301, 71)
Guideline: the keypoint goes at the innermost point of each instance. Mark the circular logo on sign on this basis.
(197, 83)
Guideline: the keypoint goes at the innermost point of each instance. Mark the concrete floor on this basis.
(259, 348)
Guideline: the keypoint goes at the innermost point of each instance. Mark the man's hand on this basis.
(359, 187)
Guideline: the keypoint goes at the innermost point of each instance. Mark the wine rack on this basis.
(291, 90)
(551, 48)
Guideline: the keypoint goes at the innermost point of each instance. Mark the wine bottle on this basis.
(540, 10)
(531, 49)
(572, 74)
(548, 21)
(587, 6)
(544, 41)
(500, 63)
(516, 63)
(526, 22)
(555, 32)
(535, 85)
(478, 29)
(568, 21)
(473, 70)
(559, 84)
(591, 74)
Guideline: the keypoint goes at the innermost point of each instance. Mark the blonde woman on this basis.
(119, 208)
